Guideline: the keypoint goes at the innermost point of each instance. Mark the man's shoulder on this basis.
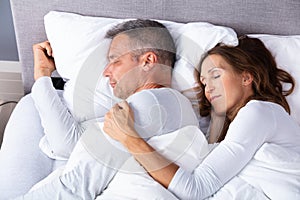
(157, 94)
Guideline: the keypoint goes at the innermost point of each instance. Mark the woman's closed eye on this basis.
(216, 76)
(213, 75)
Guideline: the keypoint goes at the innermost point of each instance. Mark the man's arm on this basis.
(61, 129)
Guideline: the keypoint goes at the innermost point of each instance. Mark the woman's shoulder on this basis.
(258, 109)
(257, 117)
(263, 106)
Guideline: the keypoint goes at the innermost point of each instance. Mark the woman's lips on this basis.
(214, 97)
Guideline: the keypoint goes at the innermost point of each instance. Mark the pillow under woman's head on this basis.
(285, 50)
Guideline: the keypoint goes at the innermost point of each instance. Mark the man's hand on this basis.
(43, 60)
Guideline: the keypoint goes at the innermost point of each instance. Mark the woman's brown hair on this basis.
(253, 57)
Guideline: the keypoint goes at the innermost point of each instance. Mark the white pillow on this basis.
(286, 50)
(80, 49)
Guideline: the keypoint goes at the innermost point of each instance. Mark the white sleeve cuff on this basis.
(175, 182)
(40, 84)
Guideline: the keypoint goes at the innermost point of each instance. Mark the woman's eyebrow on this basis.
(212, 69)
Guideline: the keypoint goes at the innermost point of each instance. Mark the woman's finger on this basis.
(124, 105)
(107, 116)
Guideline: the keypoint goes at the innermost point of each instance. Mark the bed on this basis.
(266, 17)
(244, 17)
(277, 23)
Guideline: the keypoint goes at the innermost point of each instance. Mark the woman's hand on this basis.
(119, 122)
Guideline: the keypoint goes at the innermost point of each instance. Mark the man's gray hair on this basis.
(145, 36)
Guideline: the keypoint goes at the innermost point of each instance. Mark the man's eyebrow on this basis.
(111, 57)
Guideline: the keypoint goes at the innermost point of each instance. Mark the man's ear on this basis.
(149, 59)
(247, 78)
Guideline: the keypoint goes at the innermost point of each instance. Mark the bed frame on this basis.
(281, 17)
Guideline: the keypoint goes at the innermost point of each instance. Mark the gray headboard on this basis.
(281, 17)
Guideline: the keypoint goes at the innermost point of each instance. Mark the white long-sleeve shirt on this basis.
(255, 124)
(61, 129)
(64, 115)
(96, 157)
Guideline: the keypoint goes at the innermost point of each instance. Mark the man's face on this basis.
(122, 69)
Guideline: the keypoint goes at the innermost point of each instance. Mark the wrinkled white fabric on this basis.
(273, 173)
(186, 147)
(22, 164)
(96, 159)
(256, 123)
(61, 129)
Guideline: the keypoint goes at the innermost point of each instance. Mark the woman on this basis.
(240, 84)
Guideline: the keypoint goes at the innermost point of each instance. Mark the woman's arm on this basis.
(121, 128)
(221, 165)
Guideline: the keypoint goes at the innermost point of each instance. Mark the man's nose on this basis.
(107, 71)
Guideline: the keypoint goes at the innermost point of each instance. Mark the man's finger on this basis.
(49, 50)
(46, 46)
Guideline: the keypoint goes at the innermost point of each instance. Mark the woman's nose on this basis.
(209, 88)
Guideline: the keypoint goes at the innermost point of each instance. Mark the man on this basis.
(141, 57)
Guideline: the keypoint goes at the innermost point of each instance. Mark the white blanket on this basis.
(273, 173)
(187, 147)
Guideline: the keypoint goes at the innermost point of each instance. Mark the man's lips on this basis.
(112, 84)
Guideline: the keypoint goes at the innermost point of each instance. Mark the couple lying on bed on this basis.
(239, 87)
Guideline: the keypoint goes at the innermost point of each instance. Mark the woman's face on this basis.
(224, 88)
